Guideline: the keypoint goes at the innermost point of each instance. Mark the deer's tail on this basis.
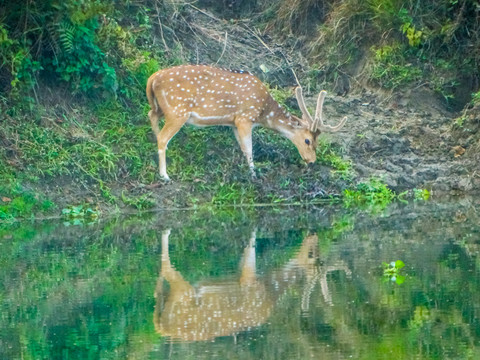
(152, 99)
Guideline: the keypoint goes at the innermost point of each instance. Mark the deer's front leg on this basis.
(243, 133)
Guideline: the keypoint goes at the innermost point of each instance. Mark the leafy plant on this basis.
(414, 36)
(373, 192)
(79, 214)
(391, 271)
(81, 63)
(141, 202)
(391, 69)
(421, 194)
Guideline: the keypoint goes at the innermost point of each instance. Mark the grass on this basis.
(373, 193)
(108, 153)
(17, 201)
(96, 146)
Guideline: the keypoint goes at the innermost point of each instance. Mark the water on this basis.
(299, 283)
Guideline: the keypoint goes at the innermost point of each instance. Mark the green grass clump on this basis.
(372, 193)
(16, 201)
(391, 69)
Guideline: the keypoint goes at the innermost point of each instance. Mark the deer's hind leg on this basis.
(172, 125)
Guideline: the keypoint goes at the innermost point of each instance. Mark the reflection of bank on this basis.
(222, 308)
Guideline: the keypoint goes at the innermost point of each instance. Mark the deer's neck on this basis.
(275, 117)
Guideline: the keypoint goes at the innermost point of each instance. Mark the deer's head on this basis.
(306, 137)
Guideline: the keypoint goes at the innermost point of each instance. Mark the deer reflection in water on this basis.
(223, 308)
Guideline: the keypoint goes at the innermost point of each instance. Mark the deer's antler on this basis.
(316, 124)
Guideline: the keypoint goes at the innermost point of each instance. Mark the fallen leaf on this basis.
(6, 199)
(458, 151)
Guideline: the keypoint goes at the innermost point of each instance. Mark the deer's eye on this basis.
(307, 141)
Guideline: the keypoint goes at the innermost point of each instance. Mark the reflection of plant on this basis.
(392, 271)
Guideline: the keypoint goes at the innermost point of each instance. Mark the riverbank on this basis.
(77, 139)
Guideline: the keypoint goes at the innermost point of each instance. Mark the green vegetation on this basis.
(73, 123)
(19, 201)
(391, 271)
(421, 194)
(404, 44)
(75, 113)
(80, 214)
(372, 193)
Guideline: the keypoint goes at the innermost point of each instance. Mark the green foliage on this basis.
(390, 68)
(421, 194)
(19, 64)
(18, 202)
(476, 98)
(233, 194)
(141, 202)
(372, 193)
(391, 271)
(281, 96)
(414, 36)
(409, 42)
(327, 155)
(80, 62)
(83, 48)
(79, 214)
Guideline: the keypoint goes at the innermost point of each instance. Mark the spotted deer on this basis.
(230, 306)
(205, 96)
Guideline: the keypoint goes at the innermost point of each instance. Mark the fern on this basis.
(67, 37)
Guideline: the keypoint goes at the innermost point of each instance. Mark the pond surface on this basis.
(293, 283)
